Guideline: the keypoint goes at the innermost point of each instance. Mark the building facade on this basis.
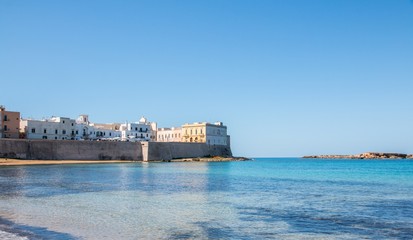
(10, 123)
(85, 130)
(209, 133)
(55, 128)
(169, 134)
(138, 131)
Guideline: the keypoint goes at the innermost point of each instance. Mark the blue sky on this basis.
(288, 77)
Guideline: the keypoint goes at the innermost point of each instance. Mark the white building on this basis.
(138, 131)
(169, 134)
(55, 128)
(86, 130)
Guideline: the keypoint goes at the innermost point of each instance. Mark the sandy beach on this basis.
(15, 162)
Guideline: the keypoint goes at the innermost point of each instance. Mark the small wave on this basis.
(11, 236)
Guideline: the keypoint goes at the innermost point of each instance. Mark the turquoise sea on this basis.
(267, 198)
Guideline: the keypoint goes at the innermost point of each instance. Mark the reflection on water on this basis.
(268, 198)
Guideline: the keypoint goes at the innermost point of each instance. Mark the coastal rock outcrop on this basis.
(367, 155)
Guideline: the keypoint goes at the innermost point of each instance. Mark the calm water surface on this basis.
(261, 199)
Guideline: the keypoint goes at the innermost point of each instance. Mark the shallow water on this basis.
(265, 198)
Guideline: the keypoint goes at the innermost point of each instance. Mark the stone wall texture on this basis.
(176, 150)
(92, 150)
(69, 150)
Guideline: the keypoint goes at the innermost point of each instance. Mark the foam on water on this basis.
(10, 236)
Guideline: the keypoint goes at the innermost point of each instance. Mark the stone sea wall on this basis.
(177, 150)
(92, 150)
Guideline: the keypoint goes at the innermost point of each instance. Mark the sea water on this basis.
(271, 198)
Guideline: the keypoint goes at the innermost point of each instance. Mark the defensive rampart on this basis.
(176, 150)
(102, 150)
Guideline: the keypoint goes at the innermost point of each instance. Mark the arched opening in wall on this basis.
(190, 139)
(196, 139)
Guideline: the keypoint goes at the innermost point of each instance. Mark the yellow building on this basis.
(10, 123)
(210, 133)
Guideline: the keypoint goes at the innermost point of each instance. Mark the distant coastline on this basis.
(367, 155)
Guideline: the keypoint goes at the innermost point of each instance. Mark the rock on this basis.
(367, 155)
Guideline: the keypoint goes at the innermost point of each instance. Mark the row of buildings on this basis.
(63, 128)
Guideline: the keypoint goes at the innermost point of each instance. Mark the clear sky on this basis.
(288, 77)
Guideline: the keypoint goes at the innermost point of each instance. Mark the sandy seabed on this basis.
(14, 162)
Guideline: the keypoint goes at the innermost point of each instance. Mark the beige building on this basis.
(169, 134)
(210, 133)
(10, 123)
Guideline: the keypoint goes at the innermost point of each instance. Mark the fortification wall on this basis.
(13, 148)
(69, 150)
(175, 150)
(92, 150)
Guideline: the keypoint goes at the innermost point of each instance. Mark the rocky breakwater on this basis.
(367, 155)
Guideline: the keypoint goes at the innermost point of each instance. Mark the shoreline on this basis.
(20, 162)
(210, 159)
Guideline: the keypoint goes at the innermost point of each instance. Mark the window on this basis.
(55, 131)
(63, 121)
(110, 134)
(73, 132)
(64, 132)
(136, 129)
(5, 127)
(5, 118)
(140, 129)
(77, 131)
(55, 138)
(44, 137)
(33, 130)
(146, 135)
(44, 131)
(72, 124)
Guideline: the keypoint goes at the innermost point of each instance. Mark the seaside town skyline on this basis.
(290, 78)
(81, 128)
(218, 119)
